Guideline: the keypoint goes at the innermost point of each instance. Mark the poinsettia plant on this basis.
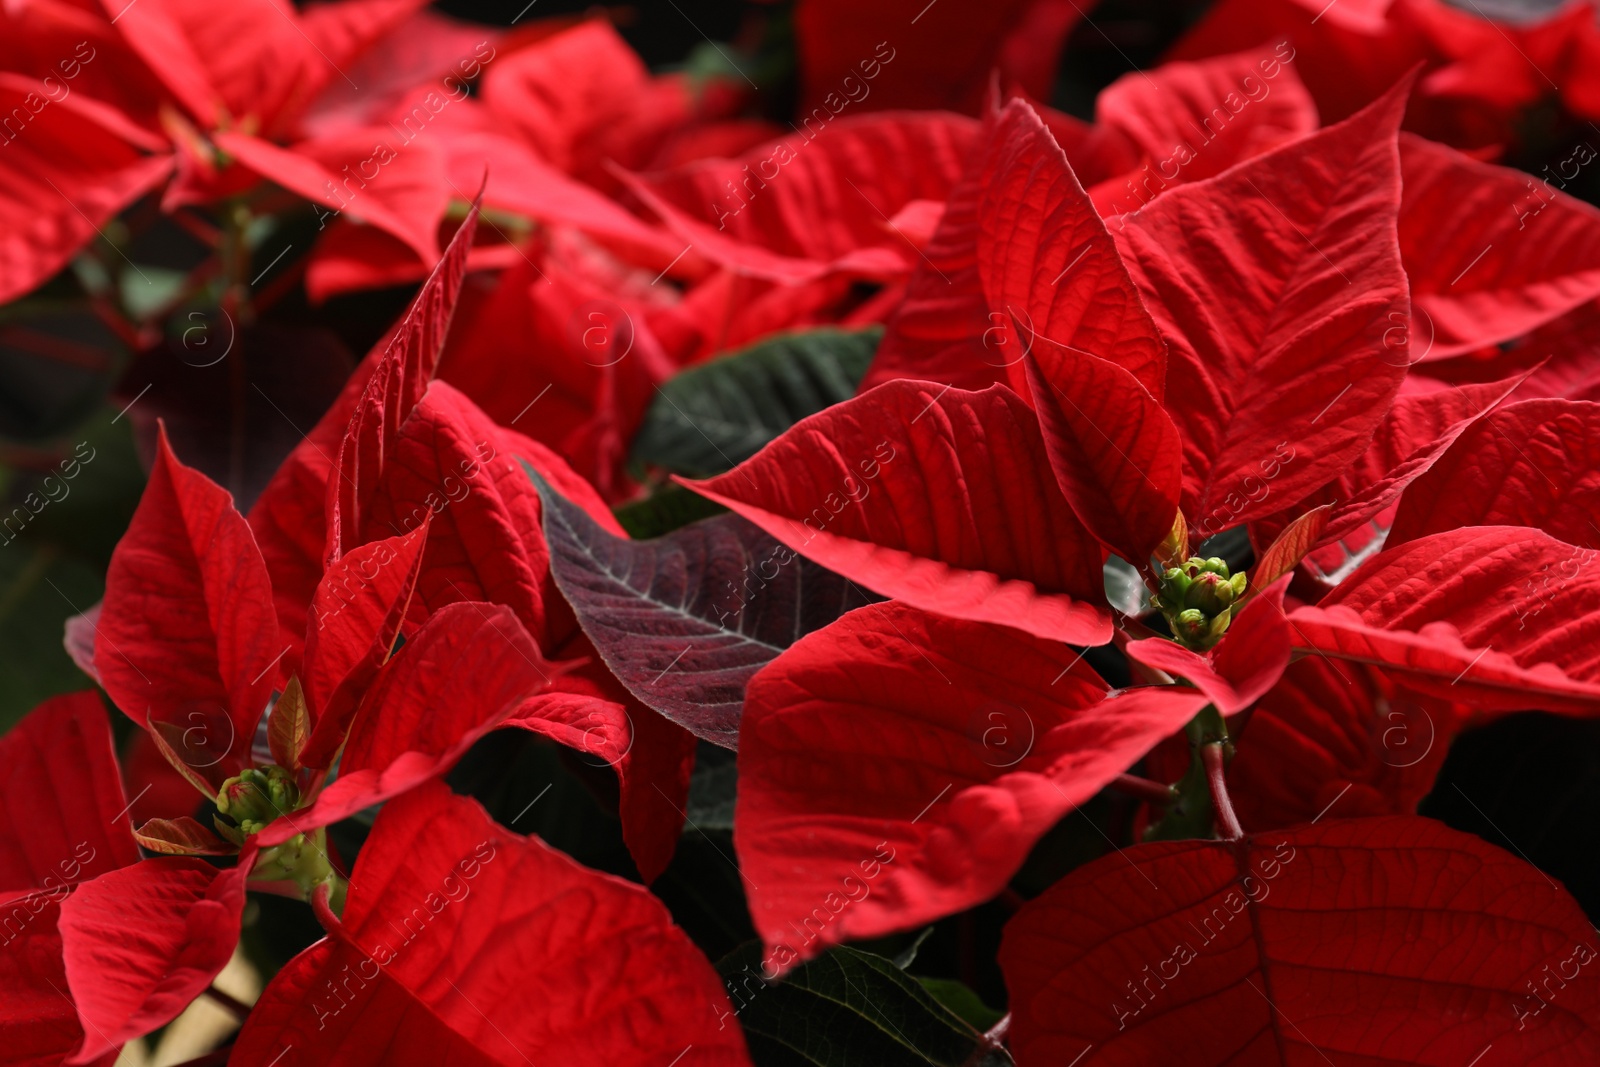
(935, 579)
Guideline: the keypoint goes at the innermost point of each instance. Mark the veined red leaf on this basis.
(1491, 252)
(1116, 454)
(1263, 950)
(1535, 463)
(1048, 264)
(468, 668)
(938, 497)
(477, 945)
(1288, 548)
(141, 942)
(896, 767)
(399, 378)
(1273, 284)
(1336, 739)
(356, 617)
(187, 635)
(686, 620)
(1503, 617)
(289, 726)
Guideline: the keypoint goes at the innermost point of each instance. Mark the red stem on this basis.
(1227, 819)
(232, 1003)
(1144, 789)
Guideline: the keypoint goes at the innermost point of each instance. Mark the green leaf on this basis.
(847, 1008)
(962, 1001)
(714, 416)
(712, 792)
(668, 508)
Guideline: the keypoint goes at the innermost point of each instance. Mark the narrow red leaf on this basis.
(938, 497)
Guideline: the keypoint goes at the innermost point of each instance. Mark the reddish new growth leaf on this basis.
(1275, 284)
(462, 942)
(1390, 940)
(939, 497)
(1248, 662)
(896, 767)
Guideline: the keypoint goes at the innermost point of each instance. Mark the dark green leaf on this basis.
(847, 1009)
(712, 417)
(962, 1001)
(668, 508)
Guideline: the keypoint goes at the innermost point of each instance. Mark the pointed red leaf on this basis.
(1264, 950)
(896, 767)
(289, 726)
(399, 378)
(1415, 432)
(142, 942)
(355, 619)
(463, 942)
(1491, 253)
(1116, 454)
(182, 836)
(1289, 548)
(1504, 617)
(1536, 463)
(1048, 263)
(1273, 284)
(187, 635)
(938, 497)
(458, 677)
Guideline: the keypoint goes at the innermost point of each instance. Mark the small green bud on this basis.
(1215, 565)
(1210, 593)
(1238, 582)
(257, 796)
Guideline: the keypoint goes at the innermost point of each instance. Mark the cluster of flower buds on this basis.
(255, 798)
(1198, 598)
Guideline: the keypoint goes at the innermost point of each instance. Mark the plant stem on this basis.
(1227, 820)
(1144, 789)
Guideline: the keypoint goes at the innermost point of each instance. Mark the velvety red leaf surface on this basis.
(1273, 285)
(896, 767)
(1530, 464)
(1489, 252)
(1502, 616)
(935, 496)
(1391, 940)
(464, 942)
(187, 637)
(141, 942)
